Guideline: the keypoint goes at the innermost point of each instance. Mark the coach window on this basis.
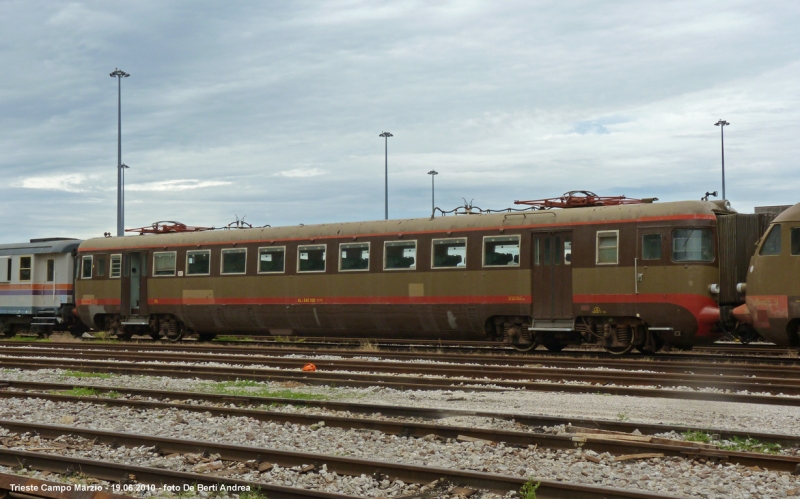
(449, 253)
(501, 251)
(51, 270)
(536, 252)
(796, 241)
(100, 266)
(198, 262)
(692, 245)
(608, 247)
(234, 261)
(86, 267)
(567, 250)
(311, 258)
(116, 266)
(5, 269)
(164, 263)
(271, 260)
(24, 268)
(353, 256)
(400, 255)
(651, 247)
(772, 243)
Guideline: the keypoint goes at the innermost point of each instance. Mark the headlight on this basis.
(713, 289)
(741, 287)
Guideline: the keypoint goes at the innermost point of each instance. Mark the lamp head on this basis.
(721, 123)
(119, 73)
(433, 172)
(386, 134)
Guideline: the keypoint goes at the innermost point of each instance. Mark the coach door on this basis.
(651, 257)
(134, 284)
(552, 275)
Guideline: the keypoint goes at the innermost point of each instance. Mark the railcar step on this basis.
(551, 326)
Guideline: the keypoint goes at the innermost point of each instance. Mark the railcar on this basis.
(36, 286)
(772, 287)
(625, 276)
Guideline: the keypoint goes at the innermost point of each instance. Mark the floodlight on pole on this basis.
(432, 173)
(386, 136)
(119, 75)
(722, 124)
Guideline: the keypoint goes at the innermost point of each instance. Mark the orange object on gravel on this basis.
(309, 368)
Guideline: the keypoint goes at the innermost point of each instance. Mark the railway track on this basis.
(588, 434)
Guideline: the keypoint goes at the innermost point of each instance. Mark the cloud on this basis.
(70, 182)
(301, 172)
(175, 185)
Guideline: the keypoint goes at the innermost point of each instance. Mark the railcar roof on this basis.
(409, 227)
(52, 245)
(791, 214)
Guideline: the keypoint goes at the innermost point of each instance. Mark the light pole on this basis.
(119, 75)
(432, 173)
(721, 124)
(386, 136)
(123, 167)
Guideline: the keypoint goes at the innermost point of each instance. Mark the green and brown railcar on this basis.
(773, 282)
(625, 276)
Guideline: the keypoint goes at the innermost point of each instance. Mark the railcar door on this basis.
(134, 287)
(652, 255)
(552, 275)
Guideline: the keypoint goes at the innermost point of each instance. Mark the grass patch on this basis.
(250, 388)
(697, 436)
(528, 491)
(237, 339)
(750, 445)
(80, 374)
(78, 392)
(28, 339)
(253, 494)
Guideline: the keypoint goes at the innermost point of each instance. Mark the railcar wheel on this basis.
(156, 335)
(176, 330)
(122, 333)
(519, 347)
(206, 336)
(622, 339)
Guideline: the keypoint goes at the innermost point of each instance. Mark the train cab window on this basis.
(567, 250)
(271, 260)
(772, 243)
(608, 247)
(164, 263)
(651, 247)
(692, 245)
(86, 267)
(234, 261)
(796, 241)
(400, 255)
(353, 256)
(51, 270)
(449, 253)
(501, 251)
(198, 262)
(311, 258)
(24, 268)
(100, 267)
(116, 266)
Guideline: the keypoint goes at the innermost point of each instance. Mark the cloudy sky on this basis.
(272, 110)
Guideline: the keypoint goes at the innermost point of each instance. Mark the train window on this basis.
(796, 241)
(51, 270)
(354, 256)
(311, 258)
(772, 243)
(100, 267)
(567, 250)
(651, 247)
(546, 251)
(692, 245)
(608, 246)
(557, 248)
(399, 255)
(86, 267)
(536, 252)
(234, 261)
(501, 251)
(24, 268)
(449, 253)
(5, 277)
(164, 263)
(271, 260)
(116, 266)
(198, 262)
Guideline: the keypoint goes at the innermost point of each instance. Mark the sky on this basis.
(272, 111)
